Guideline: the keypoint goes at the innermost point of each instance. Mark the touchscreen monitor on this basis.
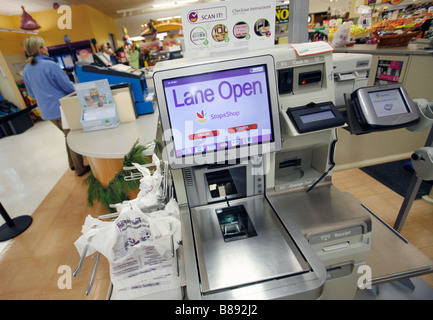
(388, 102)
(219, 111)
(67, 61)
(102, 59)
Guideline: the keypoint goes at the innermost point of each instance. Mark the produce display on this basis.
(396, 24)
(412, 16)
(355, 29)
(387, 21)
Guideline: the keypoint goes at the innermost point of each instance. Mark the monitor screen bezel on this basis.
(370, 112)
(221, 155)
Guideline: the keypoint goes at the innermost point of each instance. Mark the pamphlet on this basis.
(98, 108)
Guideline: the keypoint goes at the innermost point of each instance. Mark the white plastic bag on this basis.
(342, 35)
(149, 187)
(150, 183)
(139, 245)
(140, 249)
(132, 229)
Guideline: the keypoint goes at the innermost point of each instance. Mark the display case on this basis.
(387, 70)
(412, 68)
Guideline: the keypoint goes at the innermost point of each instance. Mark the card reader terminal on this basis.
(315, 116)
(381, 108)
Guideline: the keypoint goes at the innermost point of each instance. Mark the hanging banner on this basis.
(223, 26)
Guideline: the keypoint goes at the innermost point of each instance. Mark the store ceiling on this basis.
(109, 7)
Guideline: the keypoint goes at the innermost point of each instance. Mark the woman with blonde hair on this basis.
(47, 83)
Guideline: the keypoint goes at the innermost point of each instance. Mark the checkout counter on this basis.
(251, 141)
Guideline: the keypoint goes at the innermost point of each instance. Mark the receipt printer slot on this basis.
(310, 77)
(338, 246)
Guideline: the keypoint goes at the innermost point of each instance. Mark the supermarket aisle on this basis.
(31, 163)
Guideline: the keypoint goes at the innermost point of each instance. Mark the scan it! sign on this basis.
(216, 27)
(214, 14)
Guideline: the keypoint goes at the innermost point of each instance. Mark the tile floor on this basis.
(31, 163)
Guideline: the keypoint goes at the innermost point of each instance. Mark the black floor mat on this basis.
(396, 175)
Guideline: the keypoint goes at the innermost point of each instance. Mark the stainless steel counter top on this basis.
(271, 254)
(275, 264)
(391, 257)
(323, 208)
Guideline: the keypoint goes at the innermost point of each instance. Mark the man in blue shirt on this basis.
(47, 83)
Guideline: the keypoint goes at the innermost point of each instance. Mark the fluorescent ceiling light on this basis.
(163, 19)
(186, 1)
(161, 36)
(167, 4)
(156, 5)
(139, 38)
(19, 31)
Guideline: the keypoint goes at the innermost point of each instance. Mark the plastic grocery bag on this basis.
(131, 230)
(141, 243)
(141, 249)
(149, 187)
(146, 275)
(342, 35)
(150, 183)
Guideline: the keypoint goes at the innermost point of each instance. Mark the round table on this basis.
(106, 148)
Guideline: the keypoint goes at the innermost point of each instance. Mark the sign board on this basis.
(215, 27)
(282, 21)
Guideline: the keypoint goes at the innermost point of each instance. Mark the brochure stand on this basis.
(98, 107)
(13, 227)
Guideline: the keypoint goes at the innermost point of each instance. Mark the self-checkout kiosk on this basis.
(250, 139)
(299, 184)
